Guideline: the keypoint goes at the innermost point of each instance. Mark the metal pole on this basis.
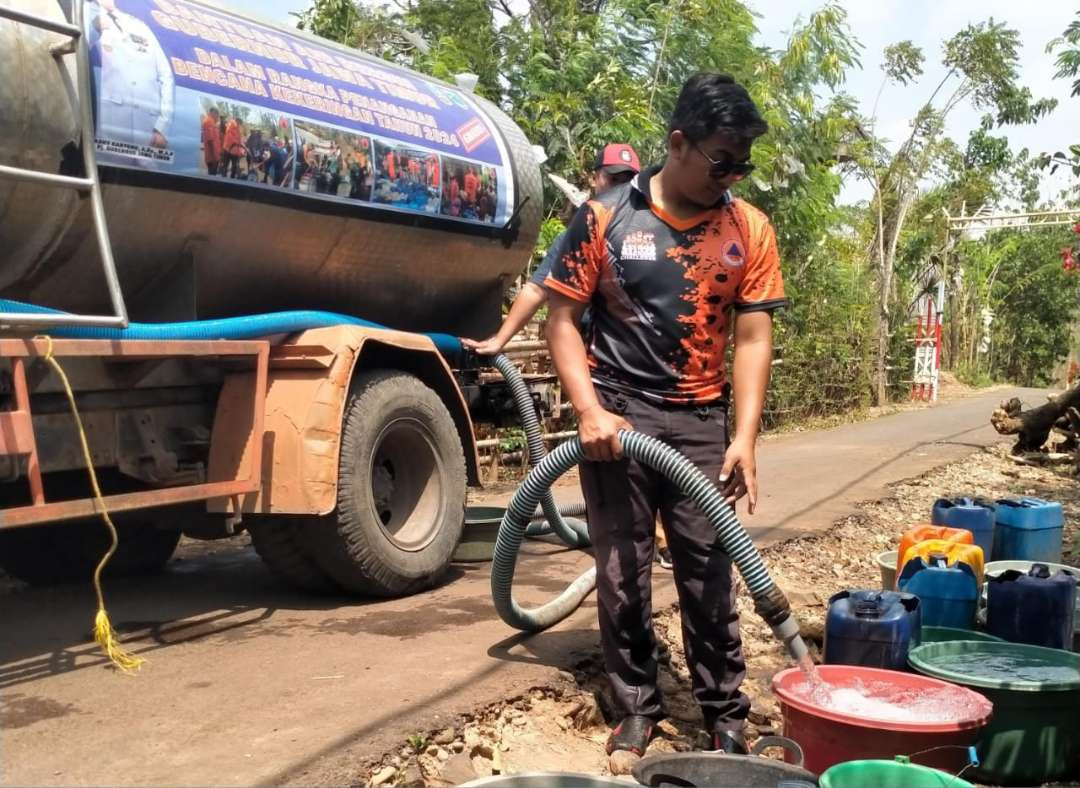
(24, 18)
(47, 178)
(97, 207)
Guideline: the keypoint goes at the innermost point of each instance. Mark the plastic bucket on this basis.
(478, 537)
(946, 634)
(829, 737)
(719, 770)
(888, 774)
(1035, 734)
(545, 780)
(887, 564)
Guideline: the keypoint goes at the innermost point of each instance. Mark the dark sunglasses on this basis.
(725, 166)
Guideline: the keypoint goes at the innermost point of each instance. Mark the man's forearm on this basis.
(531, 298)
(571, 363)
(753, 361)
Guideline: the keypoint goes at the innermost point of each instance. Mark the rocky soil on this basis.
(563, 727)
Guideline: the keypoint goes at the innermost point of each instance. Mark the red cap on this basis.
(617, 157)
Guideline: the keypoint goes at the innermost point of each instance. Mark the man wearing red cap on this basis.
(614, 165)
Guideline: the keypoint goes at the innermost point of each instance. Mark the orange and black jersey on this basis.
(662, 290)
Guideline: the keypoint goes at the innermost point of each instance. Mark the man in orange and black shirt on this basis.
(670, 265)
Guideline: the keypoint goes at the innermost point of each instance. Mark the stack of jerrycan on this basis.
(944, 572)
(1036, 608)
(970, 513)
(873, 629)
(925, 533)
(1028, 529)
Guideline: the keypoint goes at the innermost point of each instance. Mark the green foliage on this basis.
(825, 347)
(512, 439)
(577, 74)
(551, 228)
(1068, 67)
(1068, 60)
(903, 62)
(1033, 299)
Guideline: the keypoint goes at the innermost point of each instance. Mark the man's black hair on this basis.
(709, 103)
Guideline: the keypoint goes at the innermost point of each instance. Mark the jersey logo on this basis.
(639, 245)
(733, 255)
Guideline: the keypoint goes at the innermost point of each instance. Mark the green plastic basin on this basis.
(888, 774)
(1034, 735)
(946, 634)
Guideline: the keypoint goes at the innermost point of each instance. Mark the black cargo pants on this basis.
(623, 499)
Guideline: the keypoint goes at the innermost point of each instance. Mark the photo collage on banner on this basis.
(406, 177)
(267, 108)
(332, 162)
(242, 142)
(471, 190)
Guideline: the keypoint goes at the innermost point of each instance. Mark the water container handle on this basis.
(792, 746)
(1041, 571)
(937, 559)
(869, 607)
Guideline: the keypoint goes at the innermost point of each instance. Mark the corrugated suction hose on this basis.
(564, 522)
(240, 327)
(769, 601)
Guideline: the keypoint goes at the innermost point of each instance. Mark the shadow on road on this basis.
(224, 593)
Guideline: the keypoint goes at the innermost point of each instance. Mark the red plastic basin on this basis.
(829, 737)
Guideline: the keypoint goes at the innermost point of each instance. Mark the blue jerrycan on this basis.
(1036, 608)
(948, 595)
(874, 629)
(1028, 529)
(970, 513)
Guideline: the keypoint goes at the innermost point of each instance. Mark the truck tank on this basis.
(248, 168)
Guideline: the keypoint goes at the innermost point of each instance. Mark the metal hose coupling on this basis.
(773, 606)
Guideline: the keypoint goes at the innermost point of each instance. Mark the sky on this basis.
(878, 23)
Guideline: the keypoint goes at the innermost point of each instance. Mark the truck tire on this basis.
(401, 490)
(68, 552)
(277, 541)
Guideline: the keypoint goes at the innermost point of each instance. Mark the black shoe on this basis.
(730, 742)
(632, 734)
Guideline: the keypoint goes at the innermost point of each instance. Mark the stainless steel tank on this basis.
(188, 243)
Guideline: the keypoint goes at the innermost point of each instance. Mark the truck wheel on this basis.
(401, 490)
(68, 552)
(277, 541)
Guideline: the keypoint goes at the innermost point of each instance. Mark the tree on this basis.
(981, 64)
(1067, 46)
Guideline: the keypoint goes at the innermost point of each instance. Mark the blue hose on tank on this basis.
(243, 327)
(572, 531)
(769, 600)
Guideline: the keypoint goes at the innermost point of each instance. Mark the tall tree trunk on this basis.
(885, 282)
(882, 311)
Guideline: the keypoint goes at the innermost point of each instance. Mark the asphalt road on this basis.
(250, 682)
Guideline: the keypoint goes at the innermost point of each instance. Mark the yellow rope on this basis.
(103, 631)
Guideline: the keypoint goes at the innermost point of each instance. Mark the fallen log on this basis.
(1032, 427)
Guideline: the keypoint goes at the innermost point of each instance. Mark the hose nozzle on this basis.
(787, 632)
(773, 606)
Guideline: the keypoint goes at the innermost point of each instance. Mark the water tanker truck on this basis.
(251, 251)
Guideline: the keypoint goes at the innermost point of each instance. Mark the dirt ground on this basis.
(563, 727)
